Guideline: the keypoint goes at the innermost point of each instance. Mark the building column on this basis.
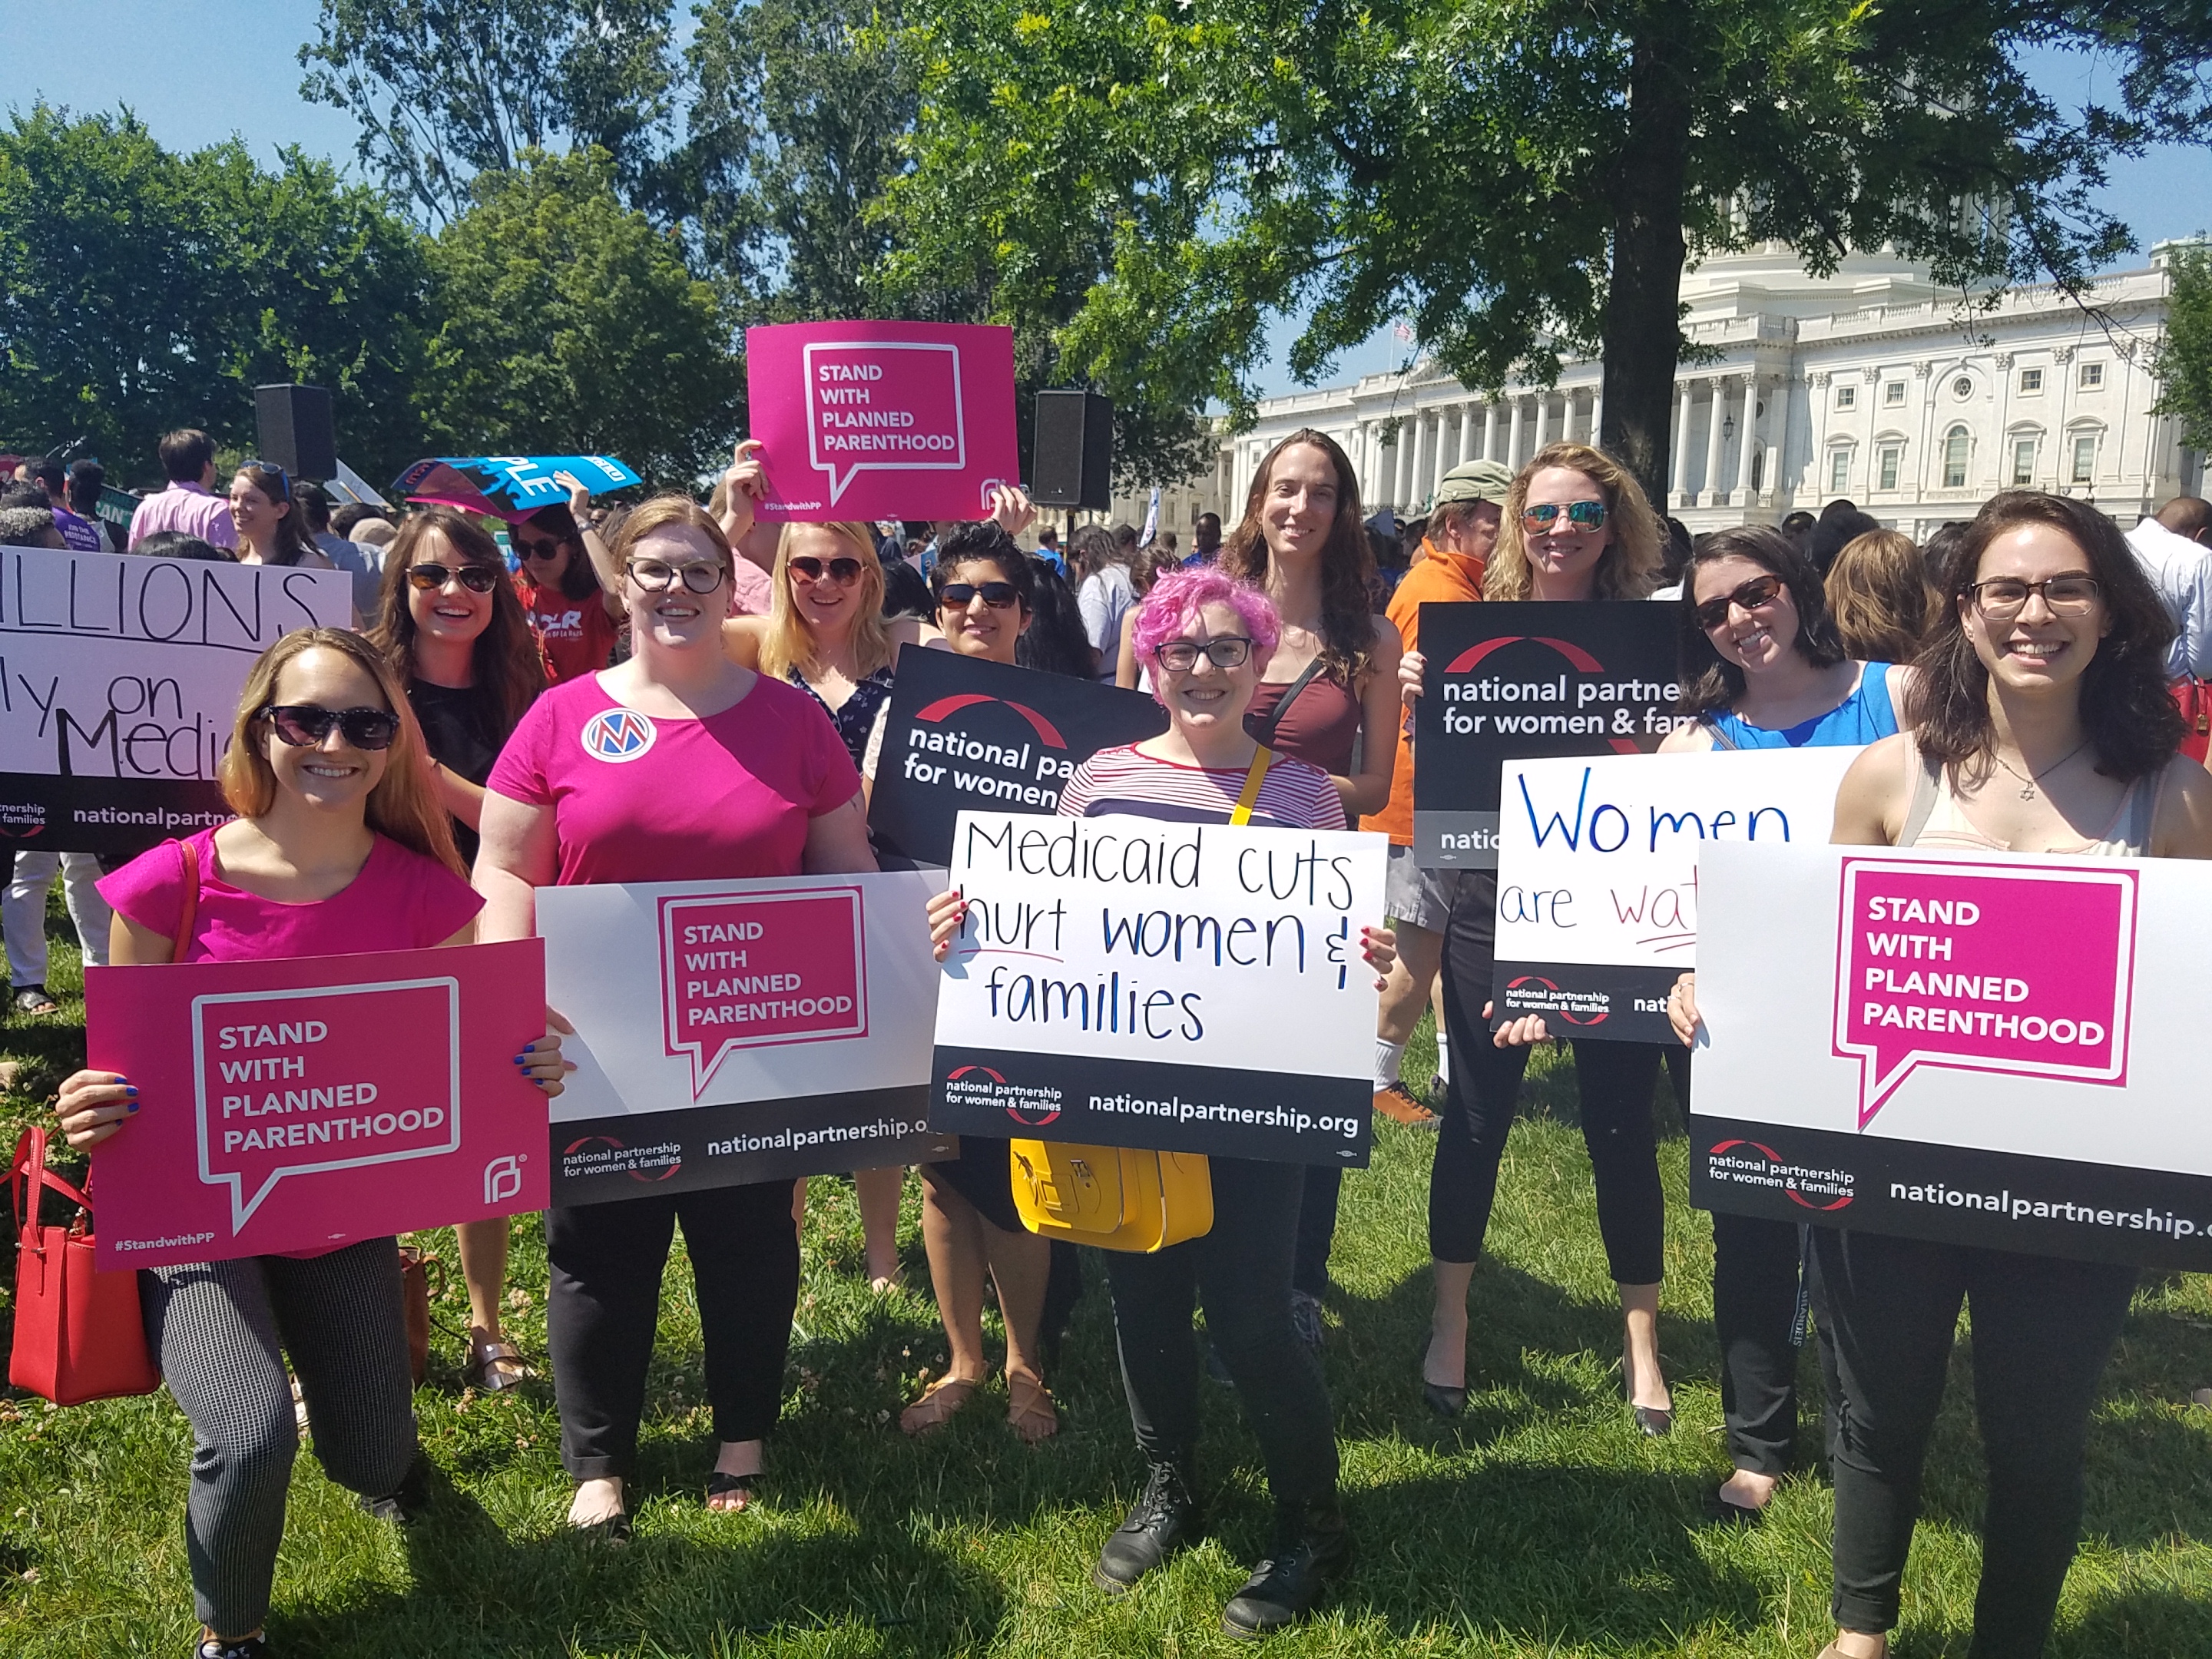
(1423, 446)
(1490, 428)
(1542, 433)
(1401, 470)
(1712, 480)
(1597, 416)
(1513, 436)
(1466, 433)
(1682, 447)
(1743, 496)
(1778, 457)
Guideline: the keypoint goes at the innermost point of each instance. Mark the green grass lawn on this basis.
(1541, 1523)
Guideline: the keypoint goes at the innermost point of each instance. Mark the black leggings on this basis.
(2042, 1330)
(606, 1260)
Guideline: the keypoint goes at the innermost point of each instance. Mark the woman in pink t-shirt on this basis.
(340, 845)
(677, 765)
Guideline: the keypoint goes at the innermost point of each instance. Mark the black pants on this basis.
(1616, 1080)
(606, 1260)
(1242, 1269)
(1316, 1228)
(1756, 1282)
(2042, 1330)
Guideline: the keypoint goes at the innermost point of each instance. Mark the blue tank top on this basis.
(1860, 718)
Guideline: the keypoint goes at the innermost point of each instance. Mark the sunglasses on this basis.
(1755, 595)
(842, 571)
(528, 550)
(959, 596)
(1180, 656)
(656, 576)
(1583, 515)
(305, 725)
(476, 578)
(284, 479)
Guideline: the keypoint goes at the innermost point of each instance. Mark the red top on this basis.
(575, 636)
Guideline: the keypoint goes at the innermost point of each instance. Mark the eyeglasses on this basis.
(476, 578)
(959, 596)
(655, 576)
(1224, 650)
(843, 571)
(1583, 515)
(1755, 595)
(2006, 597)
(283, 479)
(304, 725)
(545, 549)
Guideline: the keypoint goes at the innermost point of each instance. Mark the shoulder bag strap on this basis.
(1720, 738)
(188, 912)
(1250, 794)
(1924, 794)
(1274, 719)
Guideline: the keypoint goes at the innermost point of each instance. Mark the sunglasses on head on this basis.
(1583, 515)
(549, 549)
(959, 596)
(305, 725)
(842, 571)
(284, 479)
(1755, 595)
(476, 578)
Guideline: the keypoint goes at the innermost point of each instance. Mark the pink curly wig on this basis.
(1175, 600)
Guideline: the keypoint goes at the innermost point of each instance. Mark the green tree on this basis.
(1526, 178)
(142, 290)
(564, 321)
(2184, 358)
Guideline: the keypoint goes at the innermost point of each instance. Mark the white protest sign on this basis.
(1597, 871)
(1140, 982)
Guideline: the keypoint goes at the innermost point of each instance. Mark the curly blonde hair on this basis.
(1629, 566)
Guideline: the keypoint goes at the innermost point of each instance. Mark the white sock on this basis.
(1387, 1056)
(1444, 1056)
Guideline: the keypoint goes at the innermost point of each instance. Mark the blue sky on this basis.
(197, 70)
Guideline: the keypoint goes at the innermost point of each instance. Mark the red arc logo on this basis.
(1046, 732)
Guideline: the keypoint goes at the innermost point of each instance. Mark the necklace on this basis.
(2029, 780)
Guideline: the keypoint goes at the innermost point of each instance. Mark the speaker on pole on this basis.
(295, 429)
(1072, 462)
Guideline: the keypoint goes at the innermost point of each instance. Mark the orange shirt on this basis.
(1439, 577)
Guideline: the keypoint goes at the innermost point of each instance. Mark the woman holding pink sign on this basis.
(340, 845)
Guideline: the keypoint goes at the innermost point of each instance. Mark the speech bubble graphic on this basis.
(1985, 968)
(298, 1083)
(883, 406)
(766, 967)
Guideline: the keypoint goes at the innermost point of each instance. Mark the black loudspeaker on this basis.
(295, 429)
(1073, 462)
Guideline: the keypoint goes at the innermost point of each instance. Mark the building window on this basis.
(1956, 445)
(1847, 397)
(1892, 394)
(1893, 456)
(2085, 457)
(2091, 376)
(2031, 381)
(2023, 460)
(1963, 388)
(1839, 471)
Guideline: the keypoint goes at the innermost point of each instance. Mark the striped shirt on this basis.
(1293, 796)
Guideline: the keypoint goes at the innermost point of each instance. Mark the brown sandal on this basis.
(1030, 1410)
(937, 1406)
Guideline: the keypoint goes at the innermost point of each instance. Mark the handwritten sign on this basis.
(738, 1031)
(863, 420)
(1990, 1049)
(1597, 872)
(964, 733)
(310, 1101)
(120, 677)
(1137, 982)
(1512, 682)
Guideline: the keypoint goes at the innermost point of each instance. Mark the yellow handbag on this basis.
(1120, 1198)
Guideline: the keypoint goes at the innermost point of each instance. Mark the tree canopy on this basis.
(2185, 359)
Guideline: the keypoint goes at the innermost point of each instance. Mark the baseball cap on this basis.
(1476, 481)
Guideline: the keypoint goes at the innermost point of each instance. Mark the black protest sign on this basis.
(965, 733)
(1522, 680)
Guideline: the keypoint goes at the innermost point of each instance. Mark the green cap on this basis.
(1476, 481)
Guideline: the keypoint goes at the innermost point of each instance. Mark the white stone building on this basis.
(1870, 384)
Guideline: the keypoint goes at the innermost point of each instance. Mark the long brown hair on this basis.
(292, 543)
(403, 805)
(508, 670)
(1710, 681)
(1881, 597)
(789, 642)
(1628, 567)
(2127, 711)
(1348, 562)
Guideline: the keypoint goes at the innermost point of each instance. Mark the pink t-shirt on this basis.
(401, 900)
(640, 798)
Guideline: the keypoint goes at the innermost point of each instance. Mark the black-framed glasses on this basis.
(842, 571)
(658, 576)
(548, 549)
(1755, 595)
(476, 578)
(959, 596)
(1583, 515)
(305, 725)
(284, 479)
(1223, 651)
(2005, 597)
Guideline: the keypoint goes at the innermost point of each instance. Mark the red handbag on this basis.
(79, 1335)
(2194, 698)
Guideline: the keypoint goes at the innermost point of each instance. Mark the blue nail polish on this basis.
(132, 1092)
(133, 1106)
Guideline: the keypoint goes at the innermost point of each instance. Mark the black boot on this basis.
(1313, 1547)
(1165, 1519)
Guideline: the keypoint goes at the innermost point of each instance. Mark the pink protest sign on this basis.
(1985, 968)
(309, 1102)
(767, 968)
(861, 421)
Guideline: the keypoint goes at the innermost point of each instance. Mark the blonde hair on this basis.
(789, 642)
(1629, 566)
(1878, 593)
(403, 805)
